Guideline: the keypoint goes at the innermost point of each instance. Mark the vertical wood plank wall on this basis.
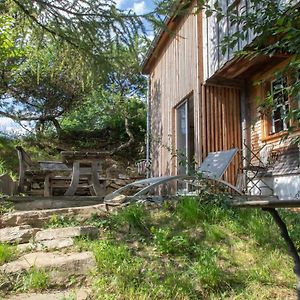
(221, 123)
(174, 77)
(214, 31)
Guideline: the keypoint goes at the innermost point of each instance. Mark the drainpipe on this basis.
(245, 114)
(148, 136)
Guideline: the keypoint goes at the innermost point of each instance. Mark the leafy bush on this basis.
(6, 206)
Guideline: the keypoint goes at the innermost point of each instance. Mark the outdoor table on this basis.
(84, 163)
(269, 204)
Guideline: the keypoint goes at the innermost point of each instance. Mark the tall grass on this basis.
(35, 280)
(7, 253)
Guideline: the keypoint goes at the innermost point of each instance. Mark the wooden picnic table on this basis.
(270, 204)
(31, 171)
(85, 164)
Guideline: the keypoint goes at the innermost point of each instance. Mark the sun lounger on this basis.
(212, 168)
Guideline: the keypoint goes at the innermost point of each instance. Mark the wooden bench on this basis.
(31, 172)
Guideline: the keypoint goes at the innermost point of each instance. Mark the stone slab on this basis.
(68, 232)
(37, 218)
(18, 234)
(38, 203)
(81, 294)
(118, 198)
(61, 265)
(54, 244)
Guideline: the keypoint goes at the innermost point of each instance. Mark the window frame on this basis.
(267, 118)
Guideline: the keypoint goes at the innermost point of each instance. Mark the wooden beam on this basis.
(263, 202)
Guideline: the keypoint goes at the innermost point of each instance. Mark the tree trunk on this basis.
(57, 126)
(130, 141)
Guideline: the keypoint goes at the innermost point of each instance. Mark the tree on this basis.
(116, 106)
(54, 53)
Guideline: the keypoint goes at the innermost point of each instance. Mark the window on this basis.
(185, 141)
(282, 115)
(185, 136)
(281, 105)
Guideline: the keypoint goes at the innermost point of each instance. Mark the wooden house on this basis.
(201, 100)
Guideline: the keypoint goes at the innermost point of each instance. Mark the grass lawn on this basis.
(192, 249)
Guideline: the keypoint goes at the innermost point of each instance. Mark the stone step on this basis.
(59, 267)
(36, 238)
(18, 234)
(37, 218)
(59, 238)
(80, 294)
(36, 203)
(67, 232)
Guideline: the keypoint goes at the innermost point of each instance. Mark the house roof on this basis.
(154, 43)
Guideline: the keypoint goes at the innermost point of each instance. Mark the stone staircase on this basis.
(51, 251)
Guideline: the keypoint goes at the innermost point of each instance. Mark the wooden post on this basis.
(99, 189)
(291, 247)
(75, 179)
(47, 188)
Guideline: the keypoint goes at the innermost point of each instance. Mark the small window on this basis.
(281, 105)
(283, 114)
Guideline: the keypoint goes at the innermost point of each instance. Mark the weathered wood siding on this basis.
(221, 123)
(262, 143)
(173, 78)
(214, 32)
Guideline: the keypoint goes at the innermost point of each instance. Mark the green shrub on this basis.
(6, 206)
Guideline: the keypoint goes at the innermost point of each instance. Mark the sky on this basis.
(140, 7)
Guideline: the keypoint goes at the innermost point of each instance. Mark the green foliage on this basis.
(136, 216)
(106, 111)
(207, 270)
(223, 253)
(7, 253)
(40, 81)
(6, 206)
(169, 243)
(9, 158)
(57, 221)
(189, 210)
(35, 280)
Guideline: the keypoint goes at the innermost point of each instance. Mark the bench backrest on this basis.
(216, 163)
(25, 163)
(24, 157)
